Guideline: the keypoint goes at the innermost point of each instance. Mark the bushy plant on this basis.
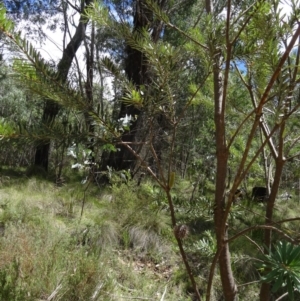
(283, 268)
(10, 287)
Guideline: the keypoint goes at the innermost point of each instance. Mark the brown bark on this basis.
(265, 289)
(227, 279)
(89, 91)
(51, 108)
(136, 69)
(222, 152)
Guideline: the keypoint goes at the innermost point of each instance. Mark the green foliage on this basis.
(6, 129)
(155, 8)
(134, 98)
(10, 287)
(109, 147)
(207, 245)
(283, 267)
(5, 23)
(99, 13)
(142, 221)
(111, 66)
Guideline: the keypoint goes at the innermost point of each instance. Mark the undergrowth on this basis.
(120, 248)
(81, 242)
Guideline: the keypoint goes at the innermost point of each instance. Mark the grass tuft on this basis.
(117, 250)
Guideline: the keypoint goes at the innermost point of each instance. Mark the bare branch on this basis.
(288, 238)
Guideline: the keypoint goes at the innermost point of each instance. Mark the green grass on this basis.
(119, 248)
(122, 247)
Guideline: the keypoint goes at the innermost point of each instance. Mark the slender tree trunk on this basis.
(228, 282)
(265, 289)
(89, 91)
(51, 108)
(222, 153)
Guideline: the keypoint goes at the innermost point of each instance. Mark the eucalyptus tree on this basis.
(33, 16)
(137, 71)
(51, 109)
(37, 12)
(29, 7)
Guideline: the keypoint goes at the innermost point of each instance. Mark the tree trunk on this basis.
(222, 153)
(89, 91)
(136, 68)
(265, 289)
(51, 108)
(227, 279)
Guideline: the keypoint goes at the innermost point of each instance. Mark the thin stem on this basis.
(186, 35)
(269, 227)
(249, 283)
(212, 272)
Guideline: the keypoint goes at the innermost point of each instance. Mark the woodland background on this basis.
(129, 154)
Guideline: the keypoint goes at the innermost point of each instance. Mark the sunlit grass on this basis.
(119, 248)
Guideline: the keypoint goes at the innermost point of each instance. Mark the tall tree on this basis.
(138, 72)
(51, 108)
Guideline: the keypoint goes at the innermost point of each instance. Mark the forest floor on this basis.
(79, 242)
